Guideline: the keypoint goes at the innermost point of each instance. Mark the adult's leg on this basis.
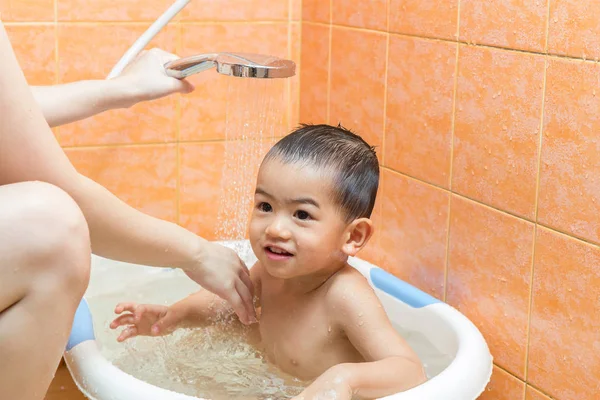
(44, 271)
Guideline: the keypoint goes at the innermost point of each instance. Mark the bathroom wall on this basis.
(163, 157)
(485, 115)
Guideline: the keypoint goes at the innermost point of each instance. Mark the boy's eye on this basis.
(303, 215)
(265, 207)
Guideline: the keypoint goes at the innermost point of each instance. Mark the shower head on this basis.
(233, 64)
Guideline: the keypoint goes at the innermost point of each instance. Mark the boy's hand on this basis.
(331, 385)
(144, 320)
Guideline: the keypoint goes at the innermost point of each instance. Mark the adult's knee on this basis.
(54, 234)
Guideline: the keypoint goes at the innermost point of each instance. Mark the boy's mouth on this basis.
(277, 253)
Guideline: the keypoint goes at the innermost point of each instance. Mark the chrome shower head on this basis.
(233, 64)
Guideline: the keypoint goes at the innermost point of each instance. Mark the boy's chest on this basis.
(298, 336)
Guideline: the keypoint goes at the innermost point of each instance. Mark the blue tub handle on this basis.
(401, 290)
(83, 327)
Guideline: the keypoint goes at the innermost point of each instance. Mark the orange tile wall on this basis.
(152, 155)
(486, 116)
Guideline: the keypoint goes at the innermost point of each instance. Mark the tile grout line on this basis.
(289, 81)
(537, 206)
(385, 96)
(299, 76)
(56, 129)
(385, 82)
(329, 61)
(56, 54)
(146, 23)
(382, 164)
(547, 28)
(447, 267)
(145, 144)
(504, 212)
(485, 46)
(179, 50)
(522, 381)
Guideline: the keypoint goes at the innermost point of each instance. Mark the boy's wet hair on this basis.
(352, 161)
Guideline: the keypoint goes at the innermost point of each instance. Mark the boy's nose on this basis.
(278, 230)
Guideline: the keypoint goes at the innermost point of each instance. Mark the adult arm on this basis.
(144, 79)
(30, 152)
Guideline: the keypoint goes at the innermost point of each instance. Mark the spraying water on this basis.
(255, 112)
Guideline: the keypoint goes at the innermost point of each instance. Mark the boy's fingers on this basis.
(128, 333)
(124, 307)
(164, 324)
(139, 312)
(126, 319)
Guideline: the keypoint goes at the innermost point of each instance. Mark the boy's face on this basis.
(296, 229)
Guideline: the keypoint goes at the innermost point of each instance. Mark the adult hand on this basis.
(220, 270)
(147, 78)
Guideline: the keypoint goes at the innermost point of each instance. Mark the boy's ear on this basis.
(357, 235)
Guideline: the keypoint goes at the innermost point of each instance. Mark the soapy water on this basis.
(214, 362)
(208, 363)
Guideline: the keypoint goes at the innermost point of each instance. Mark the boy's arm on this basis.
(197, 310)
(203, 308)
(391, 365)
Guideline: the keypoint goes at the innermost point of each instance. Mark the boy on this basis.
(319, 318)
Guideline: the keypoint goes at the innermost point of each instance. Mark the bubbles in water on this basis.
(215, 362)
(209, 363)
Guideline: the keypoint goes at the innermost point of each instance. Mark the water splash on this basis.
(208, 363)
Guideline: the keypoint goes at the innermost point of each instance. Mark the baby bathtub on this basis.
(465, 378)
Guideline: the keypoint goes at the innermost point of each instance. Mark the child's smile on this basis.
(277, 253)
(295, 228)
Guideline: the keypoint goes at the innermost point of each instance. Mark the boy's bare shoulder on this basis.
(349, 287)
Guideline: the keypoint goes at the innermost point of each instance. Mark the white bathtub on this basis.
(447, 329)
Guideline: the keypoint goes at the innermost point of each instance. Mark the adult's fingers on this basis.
(245, 277)
(236, 302)
(247, 298)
